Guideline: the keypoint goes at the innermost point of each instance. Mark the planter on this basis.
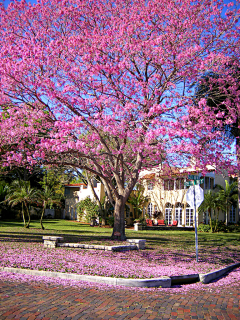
(93, 222)
(137, 226)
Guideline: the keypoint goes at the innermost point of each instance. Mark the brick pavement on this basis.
(30, 301)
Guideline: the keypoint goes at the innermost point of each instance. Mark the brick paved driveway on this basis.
(29, 301)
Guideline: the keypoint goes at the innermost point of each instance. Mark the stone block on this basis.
(140, 243)
(60, 244)
(53, 238)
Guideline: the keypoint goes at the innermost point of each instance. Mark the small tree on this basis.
(47, 198)
(208, 204)
(20, 192)
(228, 195)
(87, 208)
(138, 200)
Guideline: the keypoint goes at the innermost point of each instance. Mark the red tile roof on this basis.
(74, 185)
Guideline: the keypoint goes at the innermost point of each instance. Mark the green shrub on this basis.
(143, 221)
(87, 209)
(221, 226)
(204, 227)
(110, 221)
(233, 228)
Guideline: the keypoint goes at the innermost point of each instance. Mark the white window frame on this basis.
(168, 213)
(150, 209)
(179, 213)
(232, 214)
(189, 216)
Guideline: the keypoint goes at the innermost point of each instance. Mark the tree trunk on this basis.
(210, 219)
(102, 213)
(23, 215)
(28, 214)
(216, 224)
(119, 220)
(41, 218)
(226, 215)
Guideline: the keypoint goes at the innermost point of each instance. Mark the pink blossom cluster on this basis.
(118, 88)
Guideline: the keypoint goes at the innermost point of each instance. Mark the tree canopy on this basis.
(105, 85)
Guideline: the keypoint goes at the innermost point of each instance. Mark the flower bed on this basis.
(132, 264)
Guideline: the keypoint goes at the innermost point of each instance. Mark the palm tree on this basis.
(228, 195)
(3, 192)
(20, 192)
(219, 205)
(47, 198)
(208, 204)
(137, 200)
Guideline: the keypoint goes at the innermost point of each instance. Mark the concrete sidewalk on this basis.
(30, 301)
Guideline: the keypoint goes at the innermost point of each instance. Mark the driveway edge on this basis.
(164, 282)
(208, 277)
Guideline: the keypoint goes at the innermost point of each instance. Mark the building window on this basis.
(209, 183)
(150, 210)
(178, 213)
(168, 213)
(67, 191)
(179, 183)
(169, 184)
(232, 218)
(84, 186)
(150, 185)
(189, 216)
(206, 180)
(94, 182)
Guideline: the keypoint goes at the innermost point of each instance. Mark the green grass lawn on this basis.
(13, 230)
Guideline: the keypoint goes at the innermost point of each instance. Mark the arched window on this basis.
(168, 213)
(150, 210)
(189, 216)
(178, 213)
(150, 185)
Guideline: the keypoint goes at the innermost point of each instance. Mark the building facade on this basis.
(167, 196)
(74, 193)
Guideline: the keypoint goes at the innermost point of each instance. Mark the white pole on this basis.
(195, 218)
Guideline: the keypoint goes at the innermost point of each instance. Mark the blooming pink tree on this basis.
(104, 85)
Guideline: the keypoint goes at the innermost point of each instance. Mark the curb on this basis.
(208, 277)
(163, 282)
